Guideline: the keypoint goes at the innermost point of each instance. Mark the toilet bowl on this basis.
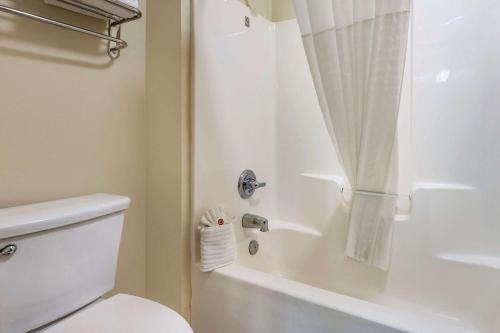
(59, 259)
(122, 314)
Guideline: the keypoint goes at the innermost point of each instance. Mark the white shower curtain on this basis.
(356, 52)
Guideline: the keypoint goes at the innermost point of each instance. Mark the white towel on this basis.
(218, 247)
(104, 5)
(217, 240)
(132, 3)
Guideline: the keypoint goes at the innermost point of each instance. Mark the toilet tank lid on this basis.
(27, 219)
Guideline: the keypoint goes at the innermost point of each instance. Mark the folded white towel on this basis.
(216, 216)
(104, 5)
(132, 3)
(217, 240)
(218, 247)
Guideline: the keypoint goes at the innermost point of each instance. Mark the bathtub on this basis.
(282, 289)
(255, 107)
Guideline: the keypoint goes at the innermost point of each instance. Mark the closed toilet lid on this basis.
(123, 314)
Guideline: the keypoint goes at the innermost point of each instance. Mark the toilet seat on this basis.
(123, 314)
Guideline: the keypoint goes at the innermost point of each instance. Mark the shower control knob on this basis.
(8, 250)
(247, 184)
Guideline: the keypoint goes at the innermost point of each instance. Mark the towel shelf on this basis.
(115, 43)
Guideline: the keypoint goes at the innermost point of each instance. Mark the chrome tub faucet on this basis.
(255, 222)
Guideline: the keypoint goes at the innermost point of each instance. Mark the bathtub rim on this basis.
(405, 321)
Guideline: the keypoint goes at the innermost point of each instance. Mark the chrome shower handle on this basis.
(255, 185)
(247, 184)
(8, 250)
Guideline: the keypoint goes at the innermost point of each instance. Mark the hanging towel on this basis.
(131, 3)
(107, 6)
(217, 240)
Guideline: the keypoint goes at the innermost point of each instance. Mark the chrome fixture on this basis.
(253, 247)
(247, 21)
(247, 184)
(113, 21)
(252, 221)
(8, 250)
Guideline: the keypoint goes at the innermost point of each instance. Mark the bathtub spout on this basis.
(255, 222)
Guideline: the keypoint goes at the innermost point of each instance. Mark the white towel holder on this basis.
(115, 43)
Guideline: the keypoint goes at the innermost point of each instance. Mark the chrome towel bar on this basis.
(113, 21)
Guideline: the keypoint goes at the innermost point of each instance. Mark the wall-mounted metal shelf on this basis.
(115, 43)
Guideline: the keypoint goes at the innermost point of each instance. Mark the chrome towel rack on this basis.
(115, 43)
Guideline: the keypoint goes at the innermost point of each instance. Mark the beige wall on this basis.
(71, 121)
(167, 122)
(273, 10)
(262, 7)
(283, 10)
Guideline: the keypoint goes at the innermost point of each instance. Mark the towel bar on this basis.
(113, 21)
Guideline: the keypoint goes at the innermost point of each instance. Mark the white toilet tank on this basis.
(65, 257)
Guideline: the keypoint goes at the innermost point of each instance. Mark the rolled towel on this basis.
(216, 216)
(217, 240)
(131, 3)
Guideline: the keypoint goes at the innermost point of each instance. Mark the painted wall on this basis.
(167, 154)
(260, 7)
(283, 10)
(272, 10)
(71, 121)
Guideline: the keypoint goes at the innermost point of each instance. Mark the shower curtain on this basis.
(356, 52)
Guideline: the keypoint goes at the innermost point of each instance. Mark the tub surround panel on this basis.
(234, 126)
(445, 259)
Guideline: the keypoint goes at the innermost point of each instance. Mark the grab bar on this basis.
(377, 194)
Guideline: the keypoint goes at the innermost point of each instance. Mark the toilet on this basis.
(58, 259)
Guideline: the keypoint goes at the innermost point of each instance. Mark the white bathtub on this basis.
(259, 295)
(445, 272)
